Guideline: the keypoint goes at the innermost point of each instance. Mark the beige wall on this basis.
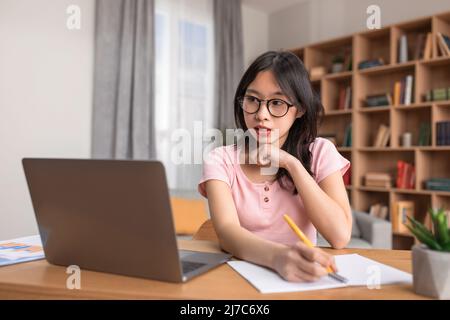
(255, 25)
(316, 20)
(45, 96)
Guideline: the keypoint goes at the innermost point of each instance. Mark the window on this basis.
(184, 83)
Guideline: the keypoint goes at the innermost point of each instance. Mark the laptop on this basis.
(111, 216)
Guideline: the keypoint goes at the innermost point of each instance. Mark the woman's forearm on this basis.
(245, 245)
(325, 214)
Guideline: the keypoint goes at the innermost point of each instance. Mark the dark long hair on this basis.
(293, 80)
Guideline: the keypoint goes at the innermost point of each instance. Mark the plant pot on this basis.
(337, 67)
(431, 272)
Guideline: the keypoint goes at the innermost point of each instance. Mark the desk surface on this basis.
(41, 280)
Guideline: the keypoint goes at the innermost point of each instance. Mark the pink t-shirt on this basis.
(260, 206)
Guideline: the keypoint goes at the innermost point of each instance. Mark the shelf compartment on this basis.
(322, 54)
(366, 198)
(371, 45)
(441, 201)
(421, 204)
(441, 23)
(333, 90)
(409, 120)
(381, 162)
(432, 164)
(336, 126)
(432, 76)
(367, 129)
(382, 82)
(441, 112)
(415, 31)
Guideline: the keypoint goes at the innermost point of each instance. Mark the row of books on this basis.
(365, 64)
(377, 180)
(424, 134)
(441, 184)
(438, 94)
(345, 98)
(403, 91)
(347, 136)
(379, 210)
(402, 94)
(443, 133)
(406, 175)
(422, 46)
(382, 136)
(443, 42)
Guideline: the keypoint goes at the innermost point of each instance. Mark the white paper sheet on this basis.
(360, 271)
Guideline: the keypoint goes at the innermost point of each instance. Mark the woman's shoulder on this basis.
(224, 154)
(319, 144)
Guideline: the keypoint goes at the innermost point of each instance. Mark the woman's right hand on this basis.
(301, 263)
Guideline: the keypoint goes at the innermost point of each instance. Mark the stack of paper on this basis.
(21, 250)
(360, 271)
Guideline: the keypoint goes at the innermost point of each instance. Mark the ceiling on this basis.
(270, 6)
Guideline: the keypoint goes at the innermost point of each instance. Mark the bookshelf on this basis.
(430, 70)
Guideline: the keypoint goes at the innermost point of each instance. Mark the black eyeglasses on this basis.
(277, 107)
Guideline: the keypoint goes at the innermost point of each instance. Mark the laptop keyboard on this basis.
(189, 266)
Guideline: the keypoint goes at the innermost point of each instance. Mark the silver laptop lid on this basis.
(105, 215)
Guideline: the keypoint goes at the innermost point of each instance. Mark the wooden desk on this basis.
(41, 280)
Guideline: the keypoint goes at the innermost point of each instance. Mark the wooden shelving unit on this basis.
(431, 161)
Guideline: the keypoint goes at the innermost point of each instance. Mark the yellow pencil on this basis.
(305, 239)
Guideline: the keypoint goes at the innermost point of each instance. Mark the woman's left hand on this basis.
(269, 155)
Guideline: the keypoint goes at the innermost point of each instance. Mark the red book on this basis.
(400, 172)
(412, 178)
(348, 177)
(405, 176)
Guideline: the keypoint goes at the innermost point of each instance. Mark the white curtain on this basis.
(184, 80)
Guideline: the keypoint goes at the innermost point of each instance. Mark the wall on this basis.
(317, 20)
(45, 96)
(255, 25)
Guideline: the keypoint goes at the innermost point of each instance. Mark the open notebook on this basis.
(360, 271)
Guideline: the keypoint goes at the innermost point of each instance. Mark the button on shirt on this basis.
(261, 206)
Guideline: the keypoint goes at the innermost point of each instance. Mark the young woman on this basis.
(247, 207)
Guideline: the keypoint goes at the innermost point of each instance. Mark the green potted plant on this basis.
(431, 259)
(337, 64)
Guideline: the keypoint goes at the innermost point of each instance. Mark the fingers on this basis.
(316, 255)
(300, 267)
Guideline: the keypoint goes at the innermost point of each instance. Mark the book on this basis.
(365, 64)
(383, 212)
(347, 136)
(397, 92)
(408, 99)
(348, 177)
(424, 134)
(382, 136)
(378, 180)
(379, 210)
(403, 49)
(406, 176)
(378, 100)
(442, 45)
(374, 210)
(402, 210)
(428, 46)
(419, 46)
